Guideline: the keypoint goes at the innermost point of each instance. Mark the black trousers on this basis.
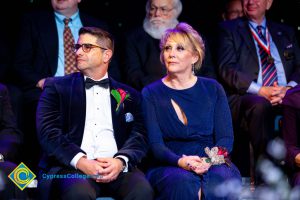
(253, 120)
(128, 186)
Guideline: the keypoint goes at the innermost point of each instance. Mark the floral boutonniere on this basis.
(120, 95)
(217, 155)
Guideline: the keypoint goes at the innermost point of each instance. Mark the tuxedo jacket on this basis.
(36, 54)
(142, 59)
(238, 63)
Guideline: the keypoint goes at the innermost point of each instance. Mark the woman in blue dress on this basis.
(185, 114)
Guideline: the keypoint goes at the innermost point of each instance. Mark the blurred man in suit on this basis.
(258, 61)
(89, 124)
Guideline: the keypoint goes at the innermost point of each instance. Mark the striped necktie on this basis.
(269, 72)
(68, 53)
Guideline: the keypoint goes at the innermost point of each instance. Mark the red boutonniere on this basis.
(217, 155)
(120, 95)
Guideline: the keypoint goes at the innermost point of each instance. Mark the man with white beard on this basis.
(141, 58)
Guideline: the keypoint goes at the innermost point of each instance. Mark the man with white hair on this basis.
(141, 58)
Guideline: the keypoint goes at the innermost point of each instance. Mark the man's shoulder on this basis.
(233, 24)
(279, 26)
(38, 15)
(63, 80)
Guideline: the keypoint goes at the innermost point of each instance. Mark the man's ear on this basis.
(107, 54)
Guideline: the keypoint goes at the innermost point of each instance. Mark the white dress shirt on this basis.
(98, 138)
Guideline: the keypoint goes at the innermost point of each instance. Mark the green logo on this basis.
(21, 176)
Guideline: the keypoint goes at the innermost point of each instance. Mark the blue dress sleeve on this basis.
(160, 151)
(222, 121)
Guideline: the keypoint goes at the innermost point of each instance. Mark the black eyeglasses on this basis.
(86, 47)
(163, 10)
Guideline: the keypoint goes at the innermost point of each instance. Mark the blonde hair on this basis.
(184, 33)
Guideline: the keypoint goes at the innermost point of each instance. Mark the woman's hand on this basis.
(194, 163)
(201, 167)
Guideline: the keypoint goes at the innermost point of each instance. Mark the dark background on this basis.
(123, 15)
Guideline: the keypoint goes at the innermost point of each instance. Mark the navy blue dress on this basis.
(208, 124)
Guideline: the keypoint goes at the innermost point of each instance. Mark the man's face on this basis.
(256, 9)
(234, 10)
(161, 11)
(91, 59)
(64, 5)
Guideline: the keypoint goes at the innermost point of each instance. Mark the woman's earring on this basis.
(193, 68)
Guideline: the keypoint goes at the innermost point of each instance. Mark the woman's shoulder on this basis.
(155, 87)
(208, 82)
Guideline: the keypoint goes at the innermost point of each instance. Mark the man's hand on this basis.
(89, 167)
(266, 92)
(112, 167)
(297, 160)
(274, 94)
(41, 83)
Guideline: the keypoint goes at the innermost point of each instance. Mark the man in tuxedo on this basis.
(258, 61)
(89, 124)
(40, 54)
(142, 52)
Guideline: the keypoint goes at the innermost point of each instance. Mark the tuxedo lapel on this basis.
(77, 107)
(116, 116)
(247, 37)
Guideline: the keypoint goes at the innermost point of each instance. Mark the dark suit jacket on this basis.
(142, 60)
(237, 58)
(61, 119)
(37, 49)
(10, 135)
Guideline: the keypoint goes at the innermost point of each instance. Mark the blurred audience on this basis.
(186, 116)
(141, 57)
(10, 141)
(232, 10)
(258, 60)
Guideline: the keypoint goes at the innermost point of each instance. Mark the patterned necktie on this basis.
(69, 54)
(90, 83)
(269, 72)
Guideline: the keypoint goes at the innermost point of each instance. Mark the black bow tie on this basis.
(90, 83)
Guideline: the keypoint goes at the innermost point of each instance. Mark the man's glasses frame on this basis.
(163, 10)
(86, 47)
